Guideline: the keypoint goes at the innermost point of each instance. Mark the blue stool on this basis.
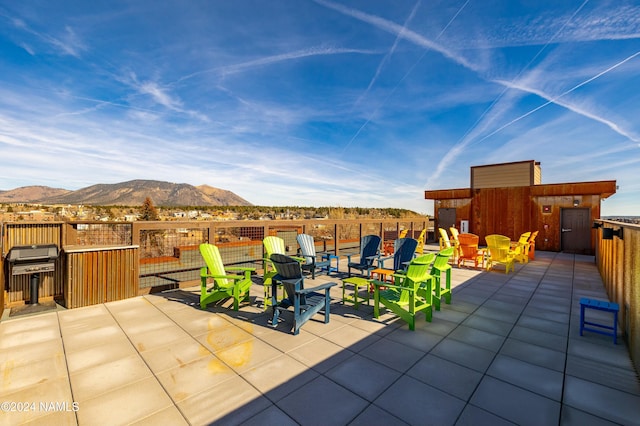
(599, 305)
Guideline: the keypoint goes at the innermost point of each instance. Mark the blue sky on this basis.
(320, 103)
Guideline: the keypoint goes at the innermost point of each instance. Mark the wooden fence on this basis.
(618, 260)
(105, 261)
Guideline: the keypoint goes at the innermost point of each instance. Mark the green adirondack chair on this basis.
(225, 285)
(410, 293)
(440, 266)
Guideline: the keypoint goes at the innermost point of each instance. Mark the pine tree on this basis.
(149, 211)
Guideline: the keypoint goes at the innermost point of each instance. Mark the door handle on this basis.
(566, 229)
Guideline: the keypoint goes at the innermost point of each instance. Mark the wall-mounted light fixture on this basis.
(608, 233)
(597, 225)
(576, 203)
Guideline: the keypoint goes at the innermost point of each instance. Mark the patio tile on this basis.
(480, 338)
(601, 401)
(474, 416)
(541, 324)
(405, 395)
(124, 405)
(490, 325)
(573, 417)
(191, 378)
(397, 356)
(157, 338)
(421, 339)
(374, 415)
(496, 314)
(28, 353)
(515, 404)
(177, 354)
(271, 416)
(534, 354)
(320, 354)
(248, 354)
(352, 338)
(532, 377)
(97, 355)
(447, 376)
(279, 377)
(76, 341)
(94, 381)
(622, 377)
(540, 338)
(230, 402)
(364, 377)
(606, 354)
(310, 404)
(16, 377)
(51, 390)
(464, 354)
(169, 416)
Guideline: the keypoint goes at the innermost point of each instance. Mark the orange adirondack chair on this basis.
(468, 250)
(532, 245)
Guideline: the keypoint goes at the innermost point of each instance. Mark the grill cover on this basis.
(32, 259)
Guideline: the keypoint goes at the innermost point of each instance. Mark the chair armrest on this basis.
(324, 286)
(229, 277)
(239, 268)
(381, 261)
(378, 284)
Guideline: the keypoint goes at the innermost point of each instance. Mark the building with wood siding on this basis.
(510, 199)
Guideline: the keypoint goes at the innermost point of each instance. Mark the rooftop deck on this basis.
(506, 351)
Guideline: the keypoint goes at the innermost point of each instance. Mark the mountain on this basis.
(131, 193)
(31, 194)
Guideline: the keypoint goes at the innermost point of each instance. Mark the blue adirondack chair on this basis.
(403, 251)
(305, 302)
(369, 252)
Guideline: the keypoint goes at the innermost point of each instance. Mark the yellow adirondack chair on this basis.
(421, 241)
(499, 250)
(520, 249)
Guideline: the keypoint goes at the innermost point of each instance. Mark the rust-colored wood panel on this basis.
(618, 261)
(602, 188)
(447, 194)
(98, 275)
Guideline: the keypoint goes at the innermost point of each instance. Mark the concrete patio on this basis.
(506, 351)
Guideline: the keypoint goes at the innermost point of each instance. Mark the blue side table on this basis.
(600, 305)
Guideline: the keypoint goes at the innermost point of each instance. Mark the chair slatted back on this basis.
(499, 247)
(369, 246)
(307, 247)
(404, 248)
(213, 260)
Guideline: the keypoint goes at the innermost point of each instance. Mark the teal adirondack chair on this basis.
(410, 293)
(225, 285)
(440, 266)
(272, 245)
(369, 251)
(305, 302)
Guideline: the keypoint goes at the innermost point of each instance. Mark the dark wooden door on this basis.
(446, 218)
(575, 231)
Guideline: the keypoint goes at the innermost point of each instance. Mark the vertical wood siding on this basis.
(100, 275)
(619, 264)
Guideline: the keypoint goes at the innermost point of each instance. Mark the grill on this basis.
(32, 260)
